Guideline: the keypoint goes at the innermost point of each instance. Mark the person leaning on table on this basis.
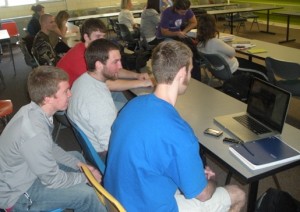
(153, 160)
(35, 173)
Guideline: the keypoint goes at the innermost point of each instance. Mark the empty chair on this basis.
(6, 109)
(111, 204)
(284, 74)
(130, 42)
(250, 15)
(88, 150)
(236, 18)
(113, 22)
(12, 29)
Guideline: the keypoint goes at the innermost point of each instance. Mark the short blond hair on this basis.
(168, 58)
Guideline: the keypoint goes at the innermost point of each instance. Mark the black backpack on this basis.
(274, 200)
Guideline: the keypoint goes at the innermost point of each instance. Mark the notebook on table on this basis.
(265, 116)
(264, 153)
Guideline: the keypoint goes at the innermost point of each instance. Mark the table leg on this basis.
(268, 24)
(252, 195)
(231, 23)
(287, 32)
(12, 57)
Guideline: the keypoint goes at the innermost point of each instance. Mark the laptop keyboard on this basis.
(251, 124)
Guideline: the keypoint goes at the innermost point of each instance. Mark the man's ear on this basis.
(181, 74)
(99, 65)
(85, 37)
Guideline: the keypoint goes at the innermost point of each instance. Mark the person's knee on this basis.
(237, 195)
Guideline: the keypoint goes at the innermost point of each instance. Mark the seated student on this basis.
(42, 48)
(153, 160)
(36, 174)
(73, 62)
(176, 20)
(57, 37)
(207, 35)
(91, 106)
(126, 17)
(34, 26)
(150, 19)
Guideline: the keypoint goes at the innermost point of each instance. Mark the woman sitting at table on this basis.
(59, 33)
(126, 17)
(207, 35)
(150, 19)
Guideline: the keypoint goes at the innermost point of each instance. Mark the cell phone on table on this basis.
(213, 132)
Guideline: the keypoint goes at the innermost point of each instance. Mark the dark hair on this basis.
(98, 50)
(181, 4)
(207, 28)
(37, 8)
(153, 4)
(43, 82)
(168, 58)
(92, 25)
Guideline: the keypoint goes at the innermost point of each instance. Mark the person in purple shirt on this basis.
(177, 20)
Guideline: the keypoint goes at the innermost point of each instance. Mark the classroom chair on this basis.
(88, 150)
(111, 204)
(6, 109)
(284, 74)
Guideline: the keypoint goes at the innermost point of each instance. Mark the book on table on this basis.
(256, 50)
(264, 153)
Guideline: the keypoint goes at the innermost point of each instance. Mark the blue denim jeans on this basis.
(80, 197)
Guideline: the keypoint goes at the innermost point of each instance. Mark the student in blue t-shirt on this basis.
(153, 160)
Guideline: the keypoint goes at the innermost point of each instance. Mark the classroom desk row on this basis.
(198, 106)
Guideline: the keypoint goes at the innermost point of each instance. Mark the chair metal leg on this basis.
(2, 79)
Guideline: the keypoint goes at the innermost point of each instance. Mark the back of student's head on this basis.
(98, 50)
(91, 25)
(43, 82)
(167, 58)
(44, 18)
(181, 4)
(207, 28)
(37, 8)
(124, 4)
(61, 16)
(153, 5)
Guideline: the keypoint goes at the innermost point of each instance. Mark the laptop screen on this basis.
(268, 104)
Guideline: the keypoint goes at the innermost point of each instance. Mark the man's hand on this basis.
(210, 175)
(146, 83)
(181, 34)
(143, 76)
(94, 171)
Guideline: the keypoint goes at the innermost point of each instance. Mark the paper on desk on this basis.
(256, 50)
(242, 45)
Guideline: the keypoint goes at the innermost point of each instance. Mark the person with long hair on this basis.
(209, 43)
(150, 19)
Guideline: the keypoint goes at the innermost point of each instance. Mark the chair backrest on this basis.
(113, 22)
(11, 28)
(88, 150)
(217, 65)
(29, 60)
(283, 69)
(111, 204)
(125, 33)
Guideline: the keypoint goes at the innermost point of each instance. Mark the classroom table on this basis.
(248, 9)
(5, 38)
(198, 106)
(104, 15)
(288, 14)
(272, 50)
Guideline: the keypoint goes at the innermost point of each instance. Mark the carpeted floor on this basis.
(16, 91)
